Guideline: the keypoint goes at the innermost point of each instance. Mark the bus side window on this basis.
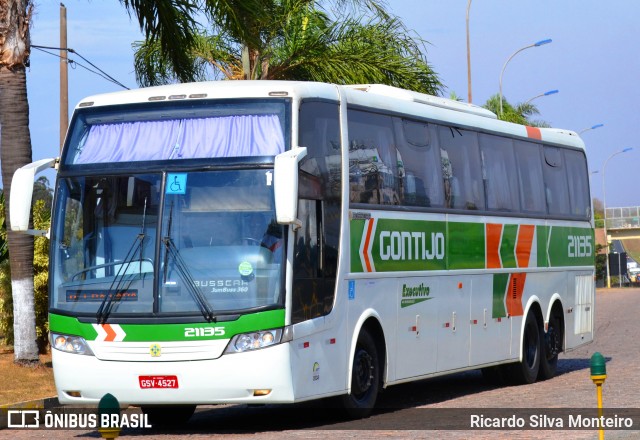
(531, 182)
(373, 160)
(460, 162)
(577, 174)
(418, 170)
(314, 283)
(499, 173)
(555, 182)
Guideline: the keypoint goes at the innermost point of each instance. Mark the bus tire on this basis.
(551, 346)
(365, 378)
(168, 415)
(526, 371)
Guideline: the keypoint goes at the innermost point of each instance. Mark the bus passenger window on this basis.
(499, 173)
(460, 161)
(418, 170)
(531, 183)
(555, 182)
(373, 161)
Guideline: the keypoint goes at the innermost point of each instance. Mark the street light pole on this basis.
(604, 204)
(468, 54)
(539, 43)
(550, 92)
(593, 127)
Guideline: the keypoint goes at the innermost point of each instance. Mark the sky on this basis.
(592, 61)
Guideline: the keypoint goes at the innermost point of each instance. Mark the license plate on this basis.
(158, 381)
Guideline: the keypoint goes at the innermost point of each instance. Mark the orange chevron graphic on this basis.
(513, 299)
(111, 334)
(494, 234)
(523, 246)
(367, 243)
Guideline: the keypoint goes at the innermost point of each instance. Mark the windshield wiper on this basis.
(116, 294)
(183, 272)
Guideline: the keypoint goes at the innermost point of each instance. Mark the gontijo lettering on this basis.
(396, 245)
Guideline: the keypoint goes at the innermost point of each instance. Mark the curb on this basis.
(45, 403)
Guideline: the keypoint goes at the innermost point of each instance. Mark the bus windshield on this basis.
(173, 244)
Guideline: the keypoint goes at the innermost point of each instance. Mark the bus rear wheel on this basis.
(526, 372)
(551, 346)
(365, 378)
(168, 415)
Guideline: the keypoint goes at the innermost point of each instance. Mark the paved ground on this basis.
(409, 405)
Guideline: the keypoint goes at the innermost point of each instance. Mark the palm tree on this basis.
(15, 151)
(169, 22)
(296, 39)
(520, 114)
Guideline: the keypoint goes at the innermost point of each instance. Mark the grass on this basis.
(23, 383)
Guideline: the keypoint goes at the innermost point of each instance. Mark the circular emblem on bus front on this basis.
(155, 350)
(245, 268)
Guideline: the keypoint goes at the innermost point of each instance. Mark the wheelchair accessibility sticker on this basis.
(176, 183)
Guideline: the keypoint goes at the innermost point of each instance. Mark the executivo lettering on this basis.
(414, 295)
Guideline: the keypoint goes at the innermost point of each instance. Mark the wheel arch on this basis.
(369, 321)
(533, 306)
(555, 306)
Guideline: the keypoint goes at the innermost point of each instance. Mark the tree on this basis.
(296, 39)
(520, 114)
(15, 151)
(168, 21)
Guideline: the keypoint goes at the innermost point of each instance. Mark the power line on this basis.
(98, 71)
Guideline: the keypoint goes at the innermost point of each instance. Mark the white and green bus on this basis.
(276, 242)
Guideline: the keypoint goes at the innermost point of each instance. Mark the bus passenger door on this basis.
(417, 327)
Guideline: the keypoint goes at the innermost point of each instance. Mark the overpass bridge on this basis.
(623, 223)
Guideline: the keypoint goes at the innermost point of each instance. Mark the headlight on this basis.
(254, 341)
(70, 344)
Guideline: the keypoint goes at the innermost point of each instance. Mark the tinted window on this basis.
(531, 183)
(373, 159)
(460, 162)
(555, 182)
(418, 164)
(499, 173)
(578, 183)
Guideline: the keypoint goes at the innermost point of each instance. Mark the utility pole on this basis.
(468, 54)
(64, 76)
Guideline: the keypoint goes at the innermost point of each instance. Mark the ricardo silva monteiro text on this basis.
(545, 421)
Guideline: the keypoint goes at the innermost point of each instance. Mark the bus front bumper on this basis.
(255, 377)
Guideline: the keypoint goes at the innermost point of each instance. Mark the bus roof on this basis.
(376, 96)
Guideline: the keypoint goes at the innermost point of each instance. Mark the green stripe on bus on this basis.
(500, 281)
(172, 332)
(418, 245)
(508, 246)
(542, 234)
(571, 246)
(466, 245)
(356, 227)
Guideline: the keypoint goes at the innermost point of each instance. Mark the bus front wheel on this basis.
(365, 378)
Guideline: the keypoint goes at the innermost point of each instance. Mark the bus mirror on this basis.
(285, 183)
(22, 193)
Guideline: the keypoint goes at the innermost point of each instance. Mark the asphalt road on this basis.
(411, 410)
